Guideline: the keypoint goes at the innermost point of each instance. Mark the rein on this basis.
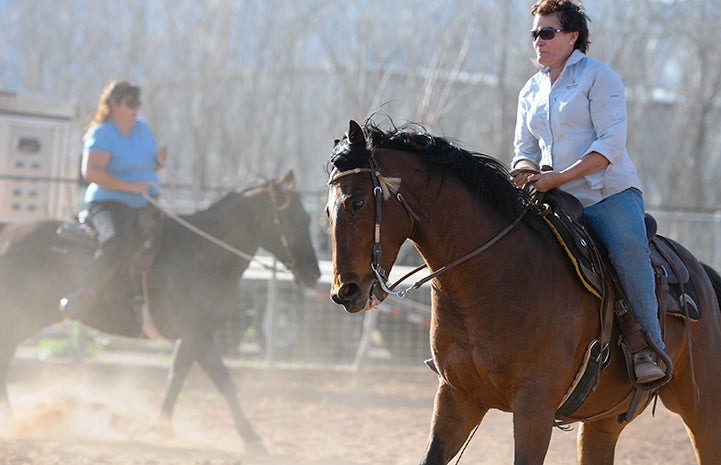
(205, 235)
(382, 187)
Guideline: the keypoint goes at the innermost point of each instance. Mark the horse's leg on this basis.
(698, 409)
(597, 441)
(453, 420)
(183, 360)
(211, 362)
(532, 427)
(704, 430)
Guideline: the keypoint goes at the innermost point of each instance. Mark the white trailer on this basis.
(39, 158)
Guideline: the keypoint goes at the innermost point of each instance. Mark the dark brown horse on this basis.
(511, 324)
(192, 285)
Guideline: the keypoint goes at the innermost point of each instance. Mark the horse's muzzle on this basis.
(355, 297)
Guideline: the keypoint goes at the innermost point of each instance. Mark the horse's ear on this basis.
(287, 180)
(355, 134)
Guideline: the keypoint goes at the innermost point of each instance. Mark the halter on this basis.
(382, 189)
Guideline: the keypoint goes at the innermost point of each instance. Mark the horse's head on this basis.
(289, 236)
(365, 220)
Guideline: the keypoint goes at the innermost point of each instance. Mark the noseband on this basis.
(382, 189)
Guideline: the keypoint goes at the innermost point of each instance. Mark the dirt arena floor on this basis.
(102, 414)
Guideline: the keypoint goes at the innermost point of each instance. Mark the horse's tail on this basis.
(715, 278)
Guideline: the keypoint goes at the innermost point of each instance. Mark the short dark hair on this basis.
(572, 16)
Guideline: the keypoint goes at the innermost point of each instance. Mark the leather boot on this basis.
(76, 305)
(645, 367)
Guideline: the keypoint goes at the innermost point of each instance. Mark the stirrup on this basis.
(76, 305)
(645, 367)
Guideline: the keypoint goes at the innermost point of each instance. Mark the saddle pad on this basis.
(77, 234)
(578, 245)
(677, 290)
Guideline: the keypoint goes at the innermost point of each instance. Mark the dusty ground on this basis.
(100, 414)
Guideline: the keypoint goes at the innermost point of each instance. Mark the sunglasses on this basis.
(132, 102)
(545, 33)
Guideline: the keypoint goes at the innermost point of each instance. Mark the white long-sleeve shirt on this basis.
(583, 112)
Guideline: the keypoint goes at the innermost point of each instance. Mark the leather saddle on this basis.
(80, 235)
(563, 214)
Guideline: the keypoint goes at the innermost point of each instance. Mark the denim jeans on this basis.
(118, 238)
(618, 222)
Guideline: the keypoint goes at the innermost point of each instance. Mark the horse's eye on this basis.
(357, 204)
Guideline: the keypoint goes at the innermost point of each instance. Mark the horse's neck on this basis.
(232, 224)
(454, 232)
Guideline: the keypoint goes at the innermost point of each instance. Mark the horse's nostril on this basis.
(349, 290)
(347, 293)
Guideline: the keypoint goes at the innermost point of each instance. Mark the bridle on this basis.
(383, 187)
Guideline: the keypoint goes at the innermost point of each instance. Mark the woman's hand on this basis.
(161, 157)
(522, 172)
(547, 180)
(139, 187)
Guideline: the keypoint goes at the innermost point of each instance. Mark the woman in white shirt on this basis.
(571, 134)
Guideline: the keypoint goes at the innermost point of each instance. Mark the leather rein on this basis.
(383, 187)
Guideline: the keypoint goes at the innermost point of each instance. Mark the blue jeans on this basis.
(118, 235)
(618, 222)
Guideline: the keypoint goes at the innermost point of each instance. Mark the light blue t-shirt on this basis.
(582, 112)
(132, 158)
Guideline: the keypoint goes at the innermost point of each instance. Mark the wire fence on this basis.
(278, 322)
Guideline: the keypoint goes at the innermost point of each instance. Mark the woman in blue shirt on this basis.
(120, 160)
(571, 124)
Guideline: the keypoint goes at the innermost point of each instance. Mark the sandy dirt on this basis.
(102, 414)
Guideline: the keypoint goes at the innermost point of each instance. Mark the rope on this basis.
(205, 235)
(465, 445)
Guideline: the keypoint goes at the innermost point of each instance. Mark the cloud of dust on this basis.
(117, 408)
(73, 409)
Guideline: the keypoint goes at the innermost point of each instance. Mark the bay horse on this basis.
(511, 323)
(191, 287)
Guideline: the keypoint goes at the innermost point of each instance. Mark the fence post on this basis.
(270, 314)
(370, 319)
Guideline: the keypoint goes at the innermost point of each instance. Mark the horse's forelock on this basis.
(347, 156)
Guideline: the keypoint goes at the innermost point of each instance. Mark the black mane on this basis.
(483, 175)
